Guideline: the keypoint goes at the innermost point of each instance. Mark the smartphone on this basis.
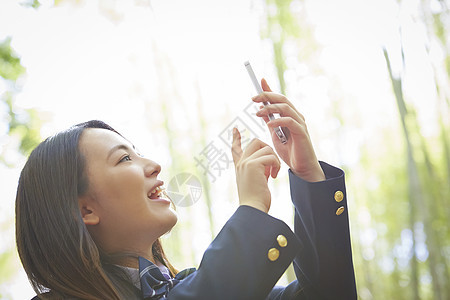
(278, 130)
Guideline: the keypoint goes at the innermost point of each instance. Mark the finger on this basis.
(236, 149)
(252, 147)
(273, 98)
(271, 171)
(265, 86)
(267, 171)
(281, 108)
(267, 150)
(293, 126)
(274, 171)
(268, 161)
(263, 116)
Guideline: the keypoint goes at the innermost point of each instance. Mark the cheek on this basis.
(125, 181)
(120, 193)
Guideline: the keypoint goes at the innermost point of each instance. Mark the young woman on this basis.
(89, 214)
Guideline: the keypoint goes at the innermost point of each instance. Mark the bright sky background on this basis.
(83, 65)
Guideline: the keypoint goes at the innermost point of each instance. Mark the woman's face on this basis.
(117, 207)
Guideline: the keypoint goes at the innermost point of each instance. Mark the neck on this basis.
(132, 261)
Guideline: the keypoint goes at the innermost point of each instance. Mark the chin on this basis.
(175, 219)
(172, 220)
(171, 225)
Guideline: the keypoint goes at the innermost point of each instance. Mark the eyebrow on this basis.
(119, 147)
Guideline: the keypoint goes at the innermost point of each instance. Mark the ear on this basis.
(88, 212)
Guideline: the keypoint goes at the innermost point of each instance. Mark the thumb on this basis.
(265, 86)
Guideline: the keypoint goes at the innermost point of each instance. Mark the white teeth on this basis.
(157, 191)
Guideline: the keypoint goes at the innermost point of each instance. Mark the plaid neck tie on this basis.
(154, 285)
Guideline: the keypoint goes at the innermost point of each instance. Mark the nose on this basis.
(151, 168)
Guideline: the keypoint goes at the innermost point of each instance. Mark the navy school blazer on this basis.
(253, 250)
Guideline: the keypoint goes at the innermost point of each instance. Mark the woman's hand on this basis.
(253, 167)
(298, 152)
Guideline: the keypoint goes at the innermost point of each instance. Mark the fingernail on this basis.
(234, 130)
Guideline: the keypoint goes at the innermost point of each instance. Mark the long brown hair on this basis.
(57, 252)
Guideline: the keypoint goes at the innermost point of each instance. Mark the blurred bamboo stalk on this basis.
(436, 22)
(414, 184)
(437, 31)
(423, 193)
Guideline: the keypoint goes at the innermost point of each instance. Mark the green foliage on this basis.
(10, 67)
(402, 189)
(32, 3)
(286, 23)
(280, 13)
(439, 22)
(26, 126)
(36, 3)
(22, 124)
(7, 265)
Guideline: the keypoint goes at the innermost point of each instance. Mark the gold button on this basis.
(282, 241)
(273, 254)
(340, 210)
(339, 196)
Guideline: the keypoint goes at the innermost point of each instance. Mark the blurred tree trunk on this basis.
(414, 184)
(425, 192)
(437, 30)
(436, 17)
(279, 60)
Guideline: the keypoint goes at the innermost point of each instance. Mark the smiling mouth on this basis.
(158, 192)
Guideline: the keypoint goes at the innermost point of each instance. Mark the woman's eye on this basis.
(125, 158)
